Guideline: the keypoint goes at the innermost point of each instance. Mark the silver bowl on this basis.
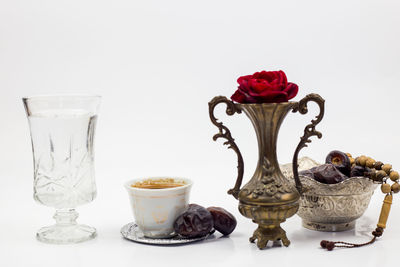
(331, 207)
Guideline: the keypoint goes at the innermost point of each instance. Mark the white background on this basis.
(157, 64)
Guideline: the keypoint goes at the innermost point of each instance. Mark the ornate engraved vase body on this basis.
(269, 198)
(62, 131)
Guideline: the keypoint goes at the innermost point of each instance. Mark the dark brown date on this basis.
(358, 171)
(196, 221)
(308, 173)
(340, 160)
(328, 174)
(224, 222)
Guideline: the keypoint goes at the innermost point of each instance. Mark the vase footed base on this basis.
(66, 234)
(263, 234)
(328, 227)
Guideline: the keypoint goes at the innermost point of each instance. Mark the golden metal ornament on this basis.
(268, 198)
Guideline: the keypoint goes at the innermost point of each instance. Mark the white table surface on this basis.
(21, 217)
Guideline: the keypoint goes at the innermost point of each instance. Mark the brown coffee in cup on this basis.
(158, 183)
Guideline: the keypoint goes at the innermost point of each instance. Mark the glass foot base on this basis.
(66, 234)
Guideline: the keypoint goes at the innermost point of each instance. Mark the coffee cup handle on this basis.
(309, 131)
(231, 109)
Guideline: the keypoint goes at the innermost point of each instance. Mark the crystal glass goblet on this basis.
(62, 131)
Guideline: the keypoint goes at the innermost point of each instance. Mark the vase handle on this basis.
(309, 131)
(224, 132)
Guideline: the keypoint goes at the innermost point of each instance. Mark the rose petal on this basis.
(282, 79)
(238, 97)
(260, 89)
(244, 82)
(242, 97)
(268, 75)
(276, 85)
(256, 75)
(244, 86)
(268, 92)
(273, 97)
(279, 99)
(275, 78)
(257, 87)
(292, 89)
(241, 79)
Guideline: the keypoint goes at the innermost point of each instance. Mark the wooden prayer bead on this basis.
(387, 168)
(378, 165)
(394, 176)
(362, 160)
(380, 175)
(395, 187)
(385, 188)
(370, 163)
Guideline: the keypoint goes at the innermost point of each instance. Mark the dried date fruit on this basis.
(308, 173)
(340, 160)
(224, 221)
(196, 221)
(357, 171)
(328, 174)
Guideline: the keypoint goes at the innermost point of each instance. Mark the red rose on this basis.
(264, 87)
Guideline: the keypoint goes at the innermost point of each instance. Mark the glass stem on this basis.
(66, 217)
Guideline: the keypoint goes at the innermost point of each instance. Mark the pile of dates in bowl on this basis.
(336, 193)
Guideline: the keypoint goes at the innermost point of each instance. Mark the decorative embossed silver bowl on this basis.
(331, 207)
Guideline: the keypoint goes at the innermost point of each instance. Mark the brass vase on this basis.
(269, 198)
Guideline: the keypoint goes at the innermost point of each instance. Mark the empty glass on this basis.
(62, 130)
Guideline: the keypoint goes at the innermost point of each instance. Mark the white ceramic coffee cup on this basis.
(155, 210)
